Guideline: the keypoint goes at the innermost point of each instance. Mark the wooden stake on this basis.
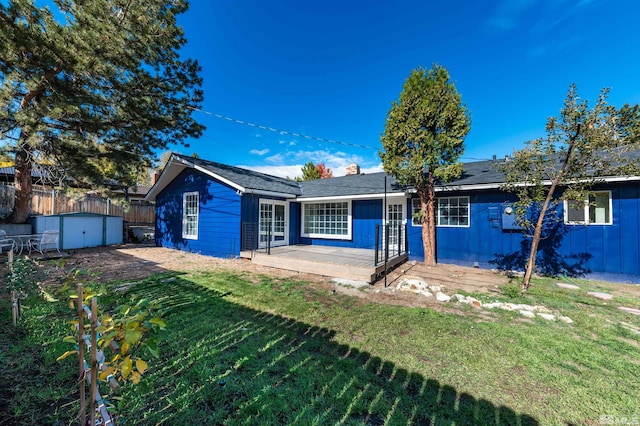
(81, 385)
(14, 308)
(94, 359)
(14, 302)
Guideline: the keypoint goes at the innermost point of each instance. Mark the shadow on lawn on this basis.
(226, 363)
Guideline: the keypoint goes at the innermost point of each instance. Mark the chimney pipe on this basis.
(353, 169)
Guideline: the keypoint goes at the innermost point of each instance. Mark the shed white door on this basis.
(274, 227)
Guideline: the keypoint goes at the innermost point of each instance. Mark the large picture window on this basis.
(190, 202)
(452, 211)
(594, 211)
(327, 220)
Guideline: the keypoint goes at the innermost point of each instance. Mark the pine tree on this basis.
(94, 88)
(309, 172)
(423, 141)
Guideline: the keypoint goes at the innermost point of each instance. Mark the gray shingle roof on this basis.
(478, 173)
(362, 184)
(474, 174)
(247, 178)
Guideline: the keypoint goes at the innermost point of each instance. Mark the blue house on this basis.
(226, 211)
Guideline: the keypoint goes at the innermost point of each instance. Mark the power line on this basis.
(299, 135)
(280, 131)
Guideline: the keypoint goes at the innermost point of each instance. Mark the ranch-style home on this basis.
(225, 211)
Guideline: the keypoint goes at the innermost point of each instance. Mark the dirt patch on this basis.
(132, 262)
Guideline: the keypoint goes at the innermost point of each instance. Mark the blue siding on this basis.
(219, 218)
(365, 215)
(294, 223)
(599, 251)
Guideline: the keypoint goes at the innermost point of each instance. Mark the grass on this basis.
(241, 349)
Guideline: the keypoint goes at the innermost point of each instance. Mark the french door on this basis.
(396, 219)
(273, 223)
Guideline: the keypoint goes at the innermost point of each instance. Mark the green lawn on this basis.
(241, 350)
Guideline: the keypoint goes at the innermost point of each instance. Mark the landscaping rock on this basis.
(350, 283)
(426, 293)
(568, 286)
(441, 297)
(633, 311)
(566, 319)
(603, 296)
(459, 297)
(493, 305)
(549, 317)
(528, 314)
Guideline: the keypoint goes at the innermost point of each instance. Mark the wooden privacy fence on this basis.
(54, 202)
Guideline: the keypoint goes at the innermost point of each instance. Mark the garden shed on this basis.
(81, 230)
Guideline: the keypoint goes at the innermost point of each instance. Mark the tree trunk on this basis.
(24, 189)
(427, 201)
(537, 234)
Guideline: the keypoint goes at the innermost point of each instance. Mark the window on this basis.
(452, 211)
(190, 202)
(327, 220)
(595, 211)
(415, 210)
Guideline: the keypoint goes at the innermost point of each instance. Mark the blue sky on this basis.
(331, 69)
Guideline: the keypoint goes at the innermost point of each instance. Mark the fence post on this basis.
(81, 387)
(377, 243)
(94, 360)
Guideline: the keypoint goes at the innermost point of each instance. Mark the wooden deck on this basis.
(335, 262)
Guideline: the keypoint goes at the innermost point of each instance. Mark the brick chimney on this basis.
(154, 178)
(353, 169)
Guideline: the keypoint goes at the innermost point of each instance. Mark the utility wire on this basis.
(280, 131)
(298, 135)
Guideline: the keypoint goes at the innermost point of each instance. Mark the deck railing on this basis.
(390, 241)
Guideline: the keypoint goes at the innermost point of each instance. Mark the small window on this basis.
(596, 210)
(452, 211)
(190, 203)
(415, 212)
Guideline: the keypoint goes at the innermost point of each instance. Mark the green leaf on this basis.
(132, 336)
(70, 339)
(158, 321)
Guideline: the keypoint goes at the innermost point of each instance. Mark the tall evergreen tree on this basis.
(93, 87)
(423, 141)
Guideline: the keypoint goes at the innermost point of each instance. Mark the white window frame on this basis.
(587, 207)
(186, 216)
(415, 208)
(346, 236)
(437, 207)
